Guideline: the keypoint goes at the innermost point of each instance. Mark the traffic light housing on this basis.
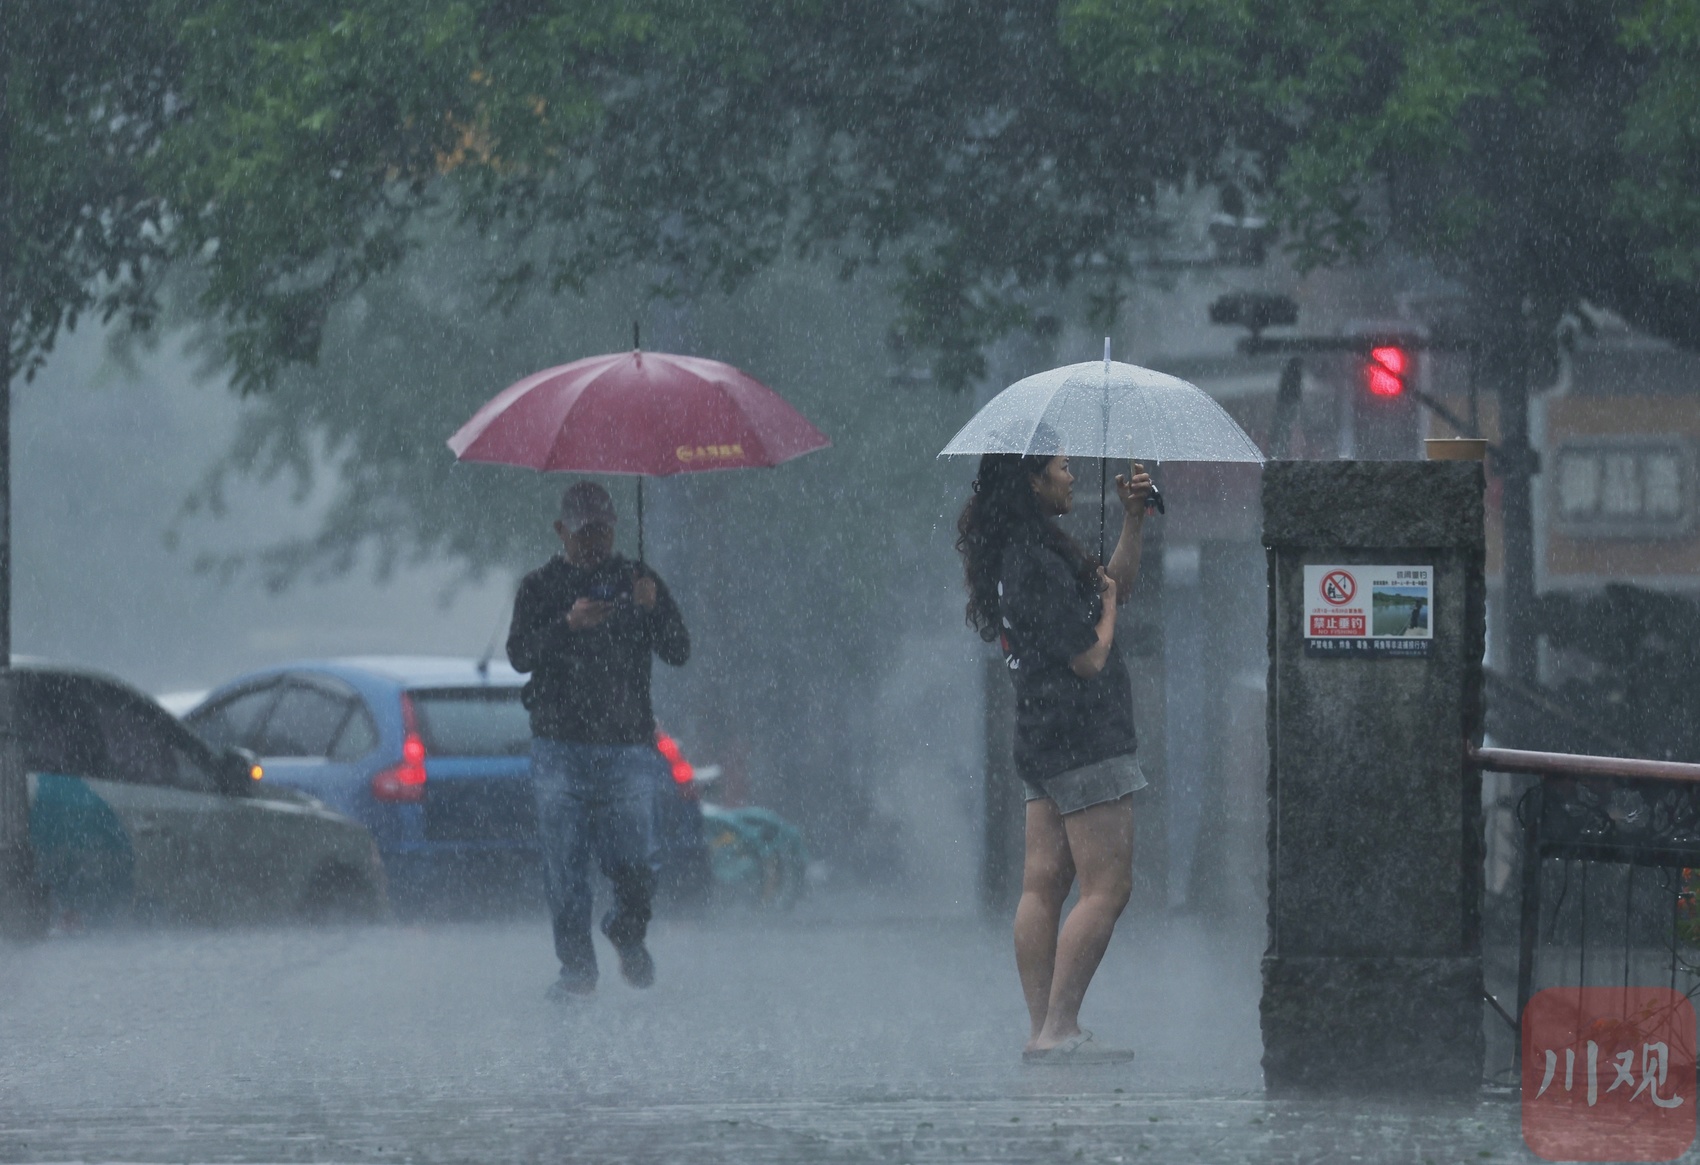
(1385, 420)
(1387, 370)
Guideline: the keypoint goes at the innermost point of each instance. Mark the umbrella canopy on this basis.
(637, 412)
(1106, 409)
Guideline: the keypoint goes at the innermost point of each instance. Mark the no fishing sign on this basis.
(1379, 611)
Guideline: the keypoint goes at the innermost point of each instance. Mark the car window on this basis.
(357, 736)
(472, 721)
(60, 733)
(190, 771)
(235, 720)
(303, 722)
(138, 747)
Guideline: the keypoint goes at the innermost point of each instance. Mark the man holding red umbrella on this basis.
(585, 626)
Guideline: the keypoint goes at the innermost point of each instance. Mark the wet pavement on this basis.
(848, 1035)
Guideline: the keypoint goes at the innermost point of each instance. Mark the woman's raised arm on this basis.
(1132, 488)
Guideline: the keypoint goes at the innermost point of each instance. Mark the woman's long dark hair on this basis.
(1004, 507)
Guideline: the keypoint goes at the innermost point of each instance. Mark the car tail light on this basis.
(669, 748)
(404, 783)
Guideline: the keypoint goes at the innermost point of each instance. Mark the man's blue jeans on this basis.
(595, 799)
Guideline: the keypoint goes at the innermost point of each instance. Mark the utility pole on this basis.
(1516, 463)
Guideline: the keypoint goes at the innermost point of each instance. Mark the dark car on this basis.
(432, 755)
(133, 816)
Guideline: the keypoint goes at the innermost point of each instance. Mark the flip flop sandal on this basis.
(1079, 1049)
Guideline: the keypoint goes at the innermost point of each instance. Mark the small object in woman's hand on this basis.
(1136, 486)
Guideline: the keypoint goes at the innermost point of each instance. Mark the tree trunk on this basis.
(22, 913)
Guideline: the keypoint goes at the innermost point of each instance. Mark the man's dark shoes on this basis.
(636, 966)
(577, 979)
(567, 987)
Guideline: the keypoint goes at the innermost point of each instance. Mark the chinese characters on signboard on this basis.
(1378, 611)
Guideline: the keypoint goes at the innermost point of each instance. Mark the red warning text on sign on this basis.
(1351, 625)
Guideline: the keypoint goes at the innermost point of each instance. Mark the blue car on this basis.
(430, 755)
(433, 757)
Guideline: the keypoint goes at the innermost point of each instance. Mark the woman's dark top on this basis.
(1050, 616)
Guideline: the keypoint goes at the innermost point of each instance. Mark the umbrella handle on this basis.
(1103, 503)
(640, 511)
(1104, 461)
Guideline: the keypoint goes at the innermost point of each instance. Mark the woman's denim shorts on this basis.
(1089, 785)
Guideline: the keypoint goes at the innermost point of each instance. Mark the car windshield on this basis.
(472, 721)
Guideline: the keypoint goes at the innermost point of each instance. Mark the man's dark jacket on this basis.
(591, 686)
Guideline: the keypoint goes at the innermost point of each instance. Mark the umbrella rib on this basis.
(686, 364)
(562, 428)
(1040, 414)
(496, 408)
(732, 397)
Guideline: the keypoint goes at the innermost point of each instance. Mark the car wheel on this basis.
(341, 894)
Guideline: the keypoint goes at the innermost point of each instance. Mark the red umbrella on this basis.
(647, 413)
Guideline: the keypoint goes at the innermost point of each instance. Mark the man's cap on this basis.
(583, 503)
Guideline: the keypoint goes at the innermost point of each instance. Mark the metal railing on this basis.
(1596, 809)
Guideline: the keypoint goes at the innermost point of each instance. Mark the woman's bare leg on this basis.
(1100, 839)
(1046, 875)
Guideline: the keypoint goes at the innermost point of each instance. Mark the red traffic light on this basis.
(1386, 370)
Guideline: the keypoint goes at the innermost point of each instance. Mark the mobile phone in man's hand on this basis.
(609, 590)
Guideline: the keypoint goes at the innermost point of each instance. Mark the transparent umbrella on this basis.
(1105, 410)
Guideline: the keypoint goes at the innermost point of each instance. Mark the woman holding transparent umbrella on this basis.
(1052, 608)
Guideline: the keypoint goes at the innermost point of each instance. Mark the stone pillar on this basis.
(1373, 979)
